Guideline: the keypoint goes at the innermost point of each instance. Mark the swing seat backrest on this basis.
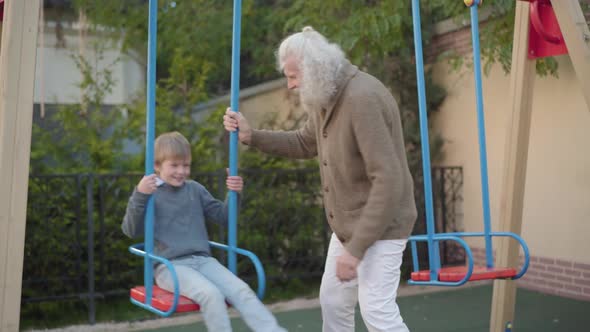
(458, 275)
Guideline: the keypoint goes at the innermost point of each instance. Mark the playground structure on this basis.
(545, 39)
(17, 72)
(456, 275)
(151, 297)
(17, 63)
(575, 32)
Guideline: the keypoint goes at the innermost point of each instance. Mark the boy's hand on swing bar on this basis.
(148, 184)
(235, 183)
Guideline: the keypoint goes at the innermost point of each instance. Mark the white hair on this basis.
(319, 63)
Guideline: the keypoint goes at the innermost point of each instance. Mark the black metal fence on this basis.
(74, 247)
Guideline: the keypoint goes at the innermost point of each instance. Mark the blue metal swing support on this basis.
(432, 238)
(146, 249)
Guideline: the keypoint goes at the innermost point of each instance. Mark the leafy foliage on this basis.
(496, 35)
(84, 136)
(194, 52)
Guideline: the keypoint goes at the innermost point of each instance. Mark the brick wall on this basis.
(456, 38)
(551, 276)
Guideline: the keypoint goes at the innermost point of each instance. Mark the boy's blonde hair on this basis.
(170, 146)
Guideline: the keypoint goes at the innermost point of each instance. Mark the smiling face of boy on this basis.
(174, 171)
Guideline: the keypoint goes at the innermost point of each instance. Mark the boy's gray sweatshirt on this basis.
(179, 219)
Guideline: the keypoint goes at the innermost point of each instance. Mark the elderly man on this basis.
(354, 129)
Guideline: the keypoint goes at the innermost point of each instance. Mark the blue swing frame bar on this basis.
(432, 238)
(145, 249)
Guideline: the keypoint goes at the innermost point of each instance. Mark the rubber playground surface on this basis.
(464, 309)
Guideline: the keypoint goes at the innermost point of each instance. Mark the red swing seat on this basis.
(457, 273)
(162, 299)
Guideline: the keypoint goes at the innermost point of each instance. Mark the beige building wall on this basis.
(556, 220)
(274, 103)
(261, 104)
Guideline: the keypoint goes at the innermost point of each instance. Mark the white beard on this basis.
(316, 93)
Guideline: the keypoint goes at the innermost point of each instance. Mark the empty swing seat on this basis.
(457, 273)
(162, 299)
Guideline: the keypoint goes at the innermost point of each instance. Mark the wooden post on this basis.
(577, 38)
(1, 17)
(17, 73)
(516, 151)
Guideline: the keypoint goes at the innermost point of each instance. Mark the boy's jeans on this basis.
(207, 282)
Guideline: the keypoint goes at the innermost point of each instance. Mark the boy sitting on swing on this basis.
(181, 207)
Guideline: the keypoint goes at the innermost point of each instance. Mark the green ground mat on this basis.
(464, 309)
